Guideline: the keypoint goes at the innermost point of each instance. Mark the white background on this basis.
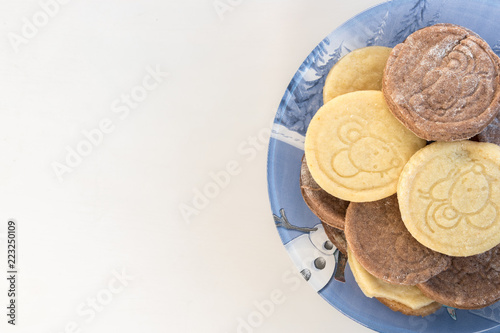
(118, 211)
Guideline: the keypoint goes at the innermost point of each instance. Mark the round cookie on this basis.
(449, 197)
(491, 133)
(422, 312)
(329, 209)
(409, 296)
(442, 82)
(337, 237)
(378, 238)
(355, 149)
(361, 69)
(470, 282)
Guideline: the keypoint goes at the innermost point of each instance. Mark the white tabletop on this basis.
(114, 115)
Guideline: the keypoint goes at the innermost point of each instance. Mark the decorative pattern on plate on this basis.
(492, 312)
(414, 20)
(317, 260)
(382, 25)
(303, 96)
(496, 47)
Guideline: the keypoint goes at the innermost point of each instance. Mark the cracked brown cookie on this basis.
(329, 209)
(443, 83)
(470, 282)
(378, 238)
(396, 297)
(491, 133)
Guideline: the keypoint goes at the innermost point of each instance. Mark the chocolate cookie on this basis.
(491, 133)
(378, 238)
(470, 282)
(443, 83)
(408, 296)
(337, 237)
(329, 209)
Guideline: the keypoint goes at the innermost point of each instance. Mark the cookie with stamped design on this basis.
(443, 83)
(355, 149)
(326, 207)
(381, 243)
(360, 69)
(470, 282)
(449, 197)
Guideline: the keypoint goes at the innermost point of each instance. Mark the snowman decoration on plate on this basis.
(317, 259)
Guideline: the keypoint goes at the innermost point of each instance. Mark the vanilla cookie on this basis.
(355, 149)
(409, 296)
(443, 83)
(422, 312)
(361, 69)
(449, 197)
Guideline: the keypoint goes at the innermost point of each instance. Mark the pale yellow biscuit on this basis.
(361, 69)
(449, 197)
(371, 286)
(355, 148)
(423, 311)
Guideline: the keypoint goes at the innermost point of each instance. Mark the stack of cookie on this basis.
(391, 172)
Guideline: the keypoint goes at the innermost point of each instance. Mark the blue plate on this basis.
(300, 230)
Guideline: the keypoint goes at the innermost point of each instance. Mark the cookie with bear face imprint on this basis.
(449, 197)
(355, 148)
(443, 83)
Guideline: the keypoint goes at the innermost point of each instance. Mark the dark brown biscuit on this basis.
(329, 209)
(470, 282)
(491, 133)
(378, 238)
(443, 83)
(422, 312)
(337, 237)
